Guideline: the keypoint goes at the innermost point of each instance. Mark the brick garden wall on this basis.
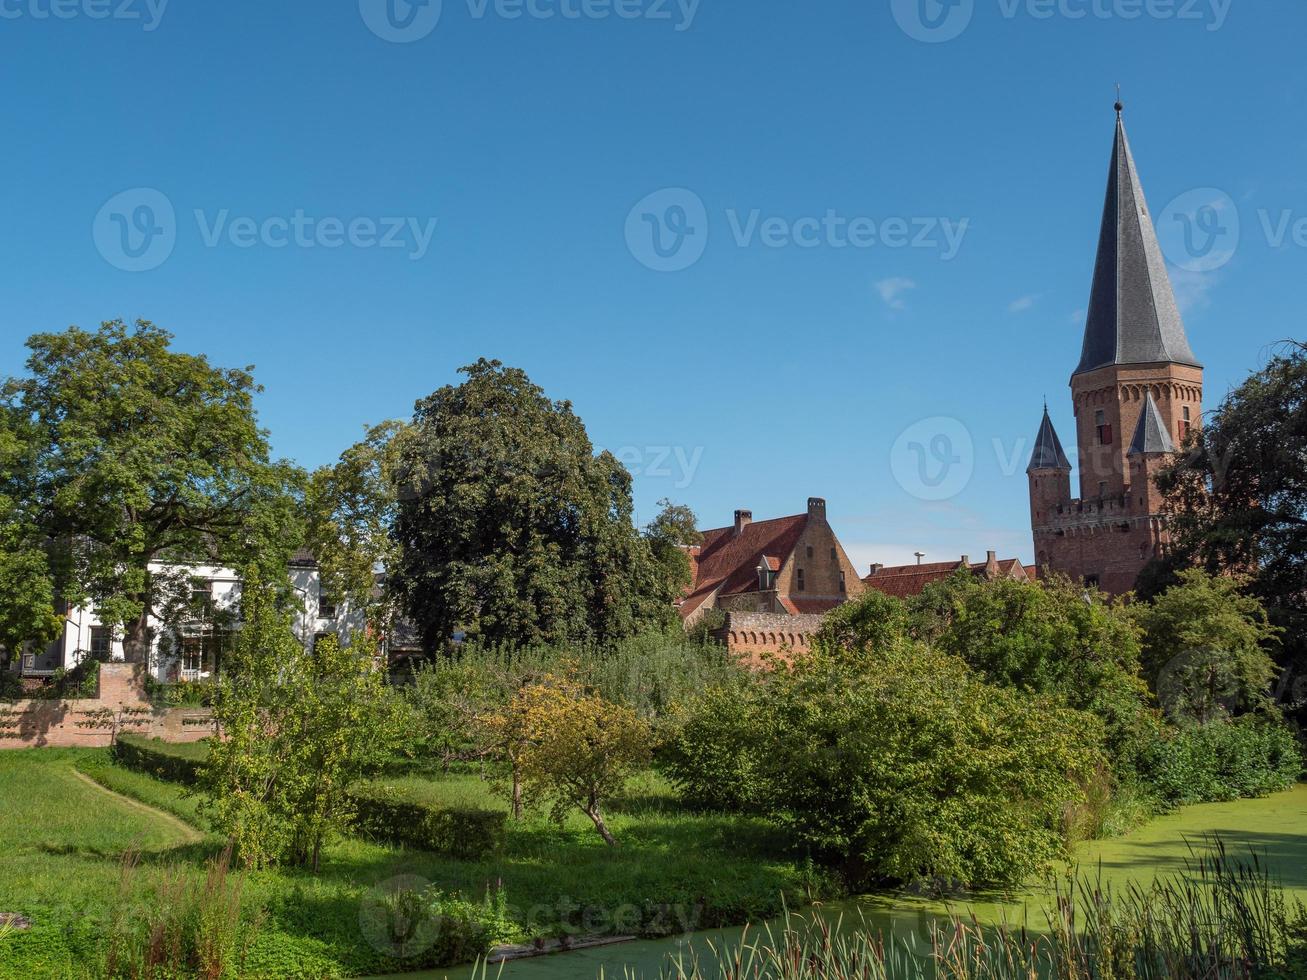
(121, 707)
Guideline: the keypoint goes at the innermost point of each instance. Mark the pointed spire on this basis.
(1150, 434)
(1048, 454)
(1133, 317)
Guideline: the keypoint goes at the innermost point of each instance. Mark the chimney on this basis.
(966, 561)
(743, 518)
(817, 507)
(991, 564)
(876, 568)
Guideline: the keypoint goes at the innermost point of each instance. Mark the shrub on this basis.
(712, 760)
(401, 816)
(904, 767)
(177, 763)
(1250, 756)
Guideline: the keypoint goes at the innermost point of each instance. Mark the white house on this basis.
(193, 651)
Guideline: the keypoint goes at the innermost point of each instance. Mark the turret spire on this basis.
(1133, 317)
(1048, 454)
(1150, 434)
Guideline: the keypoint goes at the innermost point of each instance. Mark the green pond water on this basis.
(1274, 827)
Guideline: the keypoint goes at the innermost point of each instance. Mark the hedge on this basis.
(388, 813)
(178, 763)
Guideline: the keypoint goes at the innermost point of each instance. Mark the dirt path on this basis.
(189, 834)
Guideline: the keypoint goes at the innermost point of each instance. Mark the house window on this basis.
(192, 657)
(841, 581)
(1104, 430)
(833, 556)
(326, 606)
(1102, 489)
(201, 600)
(801, 583)
(809, 551)
(1186, 423)
(101, 643)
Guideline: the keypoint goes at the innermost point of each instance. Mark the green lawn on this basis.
(65, 838)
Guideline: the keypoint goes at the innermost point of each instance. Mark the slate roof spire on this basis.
(1133, 317)
(1150, 434)
(1048, 454)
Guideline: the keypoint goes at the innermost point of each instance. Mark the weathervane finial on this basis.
(1119, 104)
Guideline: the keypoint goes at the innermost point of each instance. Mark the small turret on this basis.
(1049, 472)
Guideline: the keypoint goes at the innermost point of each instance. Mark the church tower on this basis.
(1136, 392)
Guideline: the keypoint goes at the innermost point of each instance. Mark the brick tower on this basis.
(1136, 392)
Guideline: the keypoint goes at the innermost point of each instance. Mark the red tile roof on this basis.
(727, 563)
(904, 581)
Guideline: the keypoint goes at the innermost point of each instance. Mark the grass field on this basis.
(65, 838)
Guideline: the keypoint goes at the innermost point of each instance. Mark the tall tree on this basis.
(670, 535)
(1237, 496)
(350, 509)
(510, 528)
(145, 454)
(27, 599)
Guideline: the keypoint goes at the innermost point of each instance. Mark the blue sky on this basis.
(876, 229)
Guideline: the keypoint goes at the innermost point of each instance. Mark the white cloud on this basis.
(1192, 289)
(1022, 304)
(892, 290)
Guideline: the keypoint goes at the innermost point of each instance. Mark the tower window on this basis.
(1103, 428)
(1186, 423)
(800, 582)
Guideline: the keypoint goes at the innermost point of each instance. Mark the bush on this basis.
(175, 762)
(1250, 756)
(711, 762)
(401, 815)
(904, 766)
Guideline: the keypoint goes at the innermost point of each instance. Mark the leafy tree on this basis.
(1047, 638)
(872, 623)
(669, 535)
(1237, 497)
(27, 600)
(144, 454)
(1205, 646)
(297, 729)
(574, 749)
(511, 529)
(350, 509)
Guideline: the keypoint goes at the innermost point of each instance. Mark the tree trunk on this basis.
(136, 638)
(592, 811)
(517, 794)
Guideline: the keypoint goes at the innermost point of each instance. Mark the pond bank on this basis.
(1274, 827)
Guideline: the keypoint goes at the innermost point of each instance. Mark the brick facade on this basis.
(750, 635)
(92, 723)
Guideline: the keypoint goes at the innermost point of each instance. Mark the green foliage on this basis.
(873, 622)
(712, 760)
(1250, 756)
(511, 529)
(1237, 499)
(1205, 648)
(350, 509)
(1049, 638)
(27, 604)
(568, 747)
(163, 760)
(905, 766)
(403, 813)
(297, 730)
(669, 535)
(140, 453)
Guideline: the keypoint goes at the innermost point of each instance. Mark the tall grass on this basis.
(1221, 920)
(193, 928)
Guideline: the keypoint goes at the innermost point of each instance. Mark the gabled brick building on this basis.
(1137, 392)
(789, 566)
(904, 581)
